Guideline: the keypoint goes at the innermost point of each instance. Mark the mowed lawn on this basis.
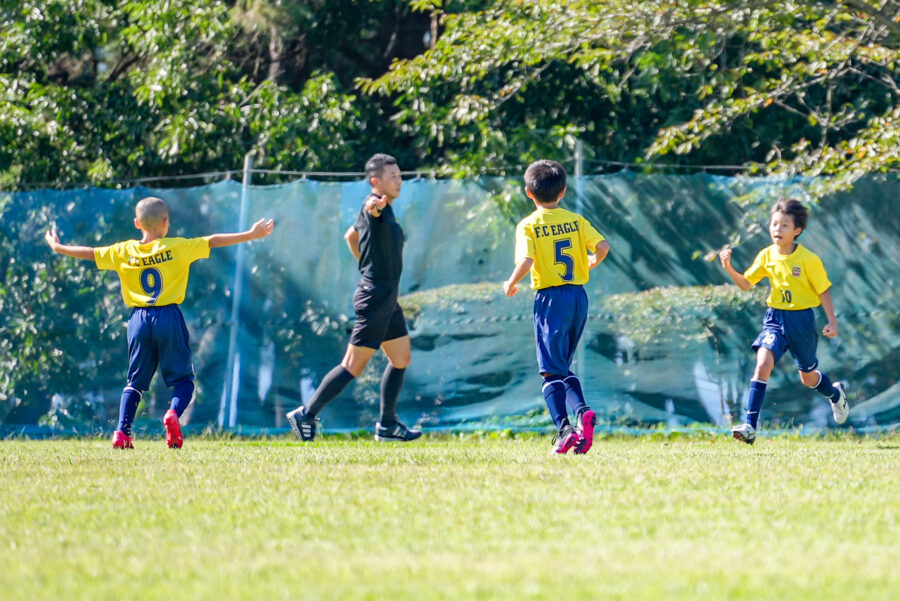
(699, 517)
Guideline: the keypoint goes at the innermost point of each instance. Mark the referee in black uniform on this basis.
(376, 240)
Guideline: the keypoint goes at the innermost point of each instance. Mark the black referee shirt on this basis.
(380, 245)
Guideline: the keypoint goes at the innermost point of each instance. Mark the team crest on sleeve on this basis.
(795, 272)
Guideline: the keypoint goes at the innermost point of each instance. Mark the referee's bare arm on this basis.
(375, 205)
(352, 238)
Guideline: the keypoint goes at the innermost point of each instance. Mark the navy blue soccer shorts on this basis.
(793, 331)
(158, 337)
(379, 316)
(560, 313)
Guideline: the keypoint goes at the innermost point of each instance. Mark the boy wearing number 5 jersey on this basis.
(553, 244)
(799, 283)
(153, 272)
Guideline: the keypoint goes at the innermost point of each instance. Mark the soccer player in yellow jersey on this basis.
(799, 283)
(559, 248)
(153, 272)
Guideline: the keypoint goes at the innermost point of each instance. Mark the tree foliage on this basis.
(783, 87)
(98, 90)
(60, 319)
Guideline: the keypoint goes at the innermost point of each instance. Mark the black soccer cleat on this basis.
(396, 433)
(302, 425)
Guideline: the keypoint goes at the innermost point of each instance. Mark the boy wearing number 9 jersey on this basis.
(799, 283)
(154, 272)
(553, 244)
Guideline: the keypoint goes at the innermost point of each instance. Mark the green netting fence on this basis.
(666, 342)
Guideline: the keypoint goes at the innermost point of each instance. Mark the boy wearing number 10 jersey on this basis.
(154, 274)
(554, 245)
(799, 284)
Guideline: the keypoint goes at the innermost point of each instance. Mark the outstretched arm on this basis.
(524, 266)
(831, 328)
(351, 236)
(599, 254)
(260, 229)
(738, 278)
(79, 252)
(375, 205)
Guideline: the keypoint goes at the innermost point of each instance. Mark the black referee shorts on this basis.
(378, 315)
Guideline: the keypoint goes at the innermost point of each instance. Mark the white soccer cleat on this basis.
(840, 408)
(744, 433)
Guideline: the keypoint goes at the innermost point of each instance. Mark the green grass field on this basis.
(451, 518)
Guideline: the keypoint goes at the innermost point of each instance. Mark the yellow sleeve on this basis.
(817, 276)
(757, 271)
(524, 243)
(108, 257)
(196, 248)
(592, 236)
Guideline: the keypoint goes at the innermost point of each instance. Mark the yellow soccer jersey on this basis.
(797, 279)
(558, 241)
(153, 274)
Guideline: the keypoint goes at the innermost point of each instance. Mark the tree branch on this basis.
(883, 19)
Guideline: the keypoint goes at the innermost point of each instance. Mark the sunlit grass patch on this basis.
(458, 516)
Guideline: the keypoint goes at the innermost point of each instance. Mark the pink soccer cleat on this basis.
(173, 430)
(586, 422)
(120, 441)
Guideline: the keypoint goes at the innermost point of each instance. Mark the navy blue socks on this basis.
(391, 381)
(131, 398)
(181, 396)
(574, 394)
(554, 391)
(754, 403)
(332, 385)
(825, 386)
(758, 393)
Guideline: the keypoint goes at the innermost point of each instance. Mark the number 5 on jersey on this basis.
(565, 260)
(151, 282)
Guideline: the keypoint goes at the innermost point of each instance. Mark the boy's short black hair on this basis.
(151, 211)
(375, 165)
(546, 180)
(793, 207)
